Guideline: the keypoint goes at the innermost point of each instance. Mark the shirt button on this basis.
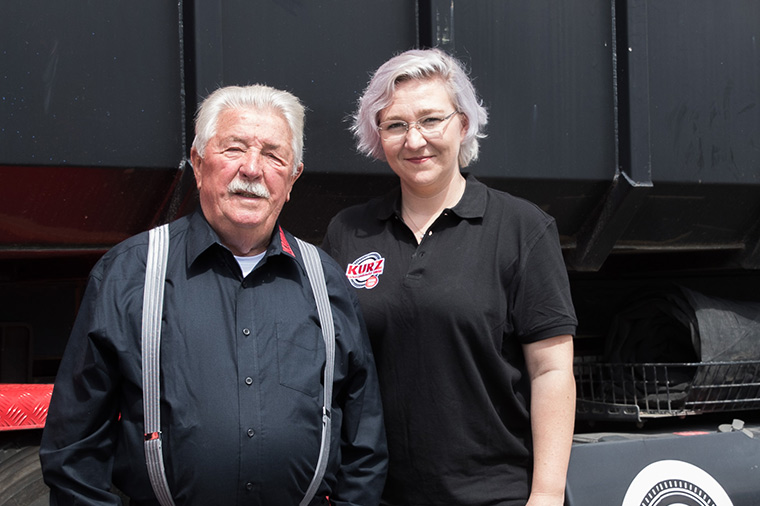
(249, 381)
(250, 432)
(246, 332)
(249, 486)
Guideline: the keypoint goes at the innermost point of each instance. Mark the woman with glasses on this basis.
(466, 300)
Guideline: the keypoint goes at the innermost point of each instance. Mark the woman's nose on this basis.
(414, 137)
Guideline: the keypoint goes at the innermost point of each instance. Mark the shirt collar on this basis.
(473, 202)
(471, 205)
(201, 237)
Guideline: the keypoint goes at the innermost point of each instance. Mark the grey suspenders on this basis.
(319, 287)
(155, 274)
(153, 303)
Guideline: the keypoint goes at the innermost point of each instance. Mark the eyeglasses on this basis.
(429, 126)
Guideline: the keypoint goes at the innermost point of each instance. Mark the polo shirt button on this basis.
(250, 432)
(246, 332)
(249, 381)
(249, 486)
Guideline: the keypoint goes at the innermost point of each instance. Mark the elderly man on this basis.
(241, 355)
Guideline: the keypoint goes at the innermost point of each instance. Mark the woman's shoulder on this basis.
(505, 204)
(375, 209)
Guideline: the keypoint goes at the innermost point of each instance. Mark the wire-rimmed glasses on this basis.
(429, 126)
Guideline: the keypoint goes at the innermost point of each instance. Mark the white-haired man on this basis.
(242, 352)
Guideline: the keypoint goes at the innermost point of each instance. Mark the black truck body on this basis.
(634, 123)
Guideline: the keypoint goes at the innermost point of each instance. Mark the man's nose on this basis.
(251, 164)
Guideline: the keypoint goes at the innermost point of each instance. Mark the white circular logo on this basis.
(675, 483)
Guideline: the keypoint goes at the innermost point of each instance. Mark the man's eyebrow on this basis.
(270, 145)
(266, 145)
(231, 139)
(281, 148)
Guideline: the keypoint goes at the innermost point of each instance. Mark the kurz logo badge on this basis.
(364, 272)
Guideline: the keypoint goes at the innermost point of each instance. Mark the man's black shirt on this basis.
(241, 373)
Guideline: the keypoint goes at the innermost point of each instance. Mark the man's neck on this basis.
(246, 242)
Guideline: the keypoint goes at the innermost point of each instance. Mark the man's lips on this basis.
(247, 195)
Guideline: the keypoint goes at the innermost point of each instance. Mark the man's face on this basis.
(246, 173)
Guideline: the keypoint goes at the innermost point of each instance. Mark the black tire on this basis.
(20, 473)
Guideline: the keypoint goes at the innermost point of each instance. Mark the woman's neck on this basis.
(432, 203)
(420, 210)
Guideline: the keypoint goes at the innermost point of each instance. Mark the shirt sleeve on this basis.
(364, 454)
(79, 438)
(543, 302)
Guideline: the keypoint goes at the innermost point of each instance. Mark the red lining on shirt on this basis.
(285, 244)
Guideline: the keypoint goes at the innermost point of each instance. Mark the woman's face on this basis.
(425, 163)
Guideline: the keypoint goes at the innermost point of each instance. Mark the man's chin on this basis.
(252, 219)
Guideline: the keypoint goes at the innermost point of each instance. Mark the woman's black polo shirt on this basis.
(447, 320)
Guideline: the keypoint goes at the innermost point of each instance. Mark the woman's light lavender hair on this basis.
(419, 64)
(256, 96)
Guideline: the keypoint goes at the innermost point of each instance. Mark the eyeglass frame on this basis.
(417, 124)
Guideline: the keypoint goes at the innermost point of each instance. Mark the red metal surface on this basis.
(64, 209)
(24, 406)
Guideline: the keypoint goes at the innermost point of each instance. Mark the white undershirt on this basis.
(247, 264)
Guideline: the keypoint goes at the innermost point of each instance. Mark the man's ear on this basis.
(196, 160)
(294, 178)
(299, 171)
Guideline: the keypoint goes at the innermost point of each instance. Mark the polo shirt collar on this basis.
(473, 201)
(389, 205)
(471, 205)
(201, 237)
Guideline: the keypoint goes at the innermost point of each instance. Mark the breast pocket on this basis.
(300, 356)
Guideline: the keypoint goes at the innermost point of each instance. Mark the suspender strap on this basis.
(318, 285)
(153, 303)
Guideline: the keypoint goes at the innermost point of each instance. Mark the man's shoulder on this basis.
(130, 254)
(329, 266)
(333, 271)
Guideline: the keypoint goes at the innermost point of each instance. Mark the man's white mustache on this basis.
(248, 188)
